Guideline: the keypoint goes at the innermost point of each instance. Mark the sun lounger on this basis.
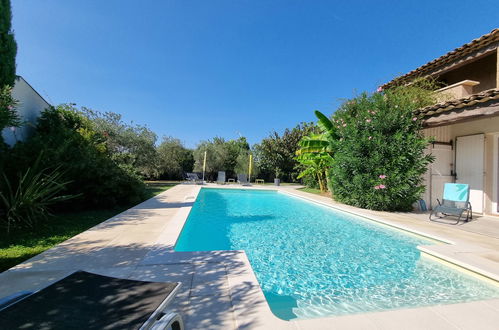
(221, 177)
(90, 301)
(194, 178)
(455, 202)
(242, 179)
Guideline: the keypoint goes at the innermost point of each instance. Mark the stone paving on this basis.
(220, 290)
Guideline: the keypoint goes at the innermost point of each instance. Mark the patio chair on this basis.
(90, 301)
(242, 179)
(221, 177)
(455, 202)
(194, 178)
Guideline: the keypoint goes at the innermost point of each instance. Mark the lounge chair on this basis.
(89, 301)
(194, 178)
(455, 202)
(221, 177)
(242, 179)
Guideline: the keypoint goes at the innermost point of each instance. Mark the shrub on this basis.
(26, 200)
(70, 142)
(8, 113)
(378, 156)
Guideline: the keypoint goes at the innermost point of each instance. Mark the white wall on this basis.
(445, 157)
(29, 107)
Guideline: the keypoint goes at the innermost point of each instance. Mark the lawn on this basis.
(22, 245)
(315, 191)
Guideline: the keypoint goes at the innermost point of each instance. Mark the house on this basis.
(465, 125)
(30, 105)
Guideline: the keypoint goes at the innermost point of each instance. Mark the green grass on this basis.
(22, 245)
(282, 184)
(315, 191)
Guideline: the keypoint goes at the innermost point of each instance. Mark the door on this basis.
(441, 171)
(469, 167)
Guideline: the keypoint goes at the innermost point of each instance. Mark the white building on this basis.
(466, 127)
(30, 105)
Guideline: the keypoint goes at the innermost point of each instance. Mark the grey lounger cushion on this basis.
(88, 301)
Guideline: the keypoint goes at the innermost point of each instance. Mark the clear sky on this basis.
(198, 69)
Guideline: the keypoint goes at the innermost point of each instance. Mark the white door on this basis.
(469, 167)
(441, 171)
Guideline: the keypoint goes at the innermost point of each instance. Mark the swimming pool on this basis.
(314, 261)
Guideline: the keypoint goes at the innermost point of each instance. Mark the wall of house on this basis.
(483, 70)
(29, 107)
(439, 172)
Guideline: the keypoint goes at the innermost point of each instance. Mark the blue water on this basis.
(313, 261)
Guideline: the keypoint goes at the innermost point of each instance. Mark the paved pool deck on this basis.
(220, 290)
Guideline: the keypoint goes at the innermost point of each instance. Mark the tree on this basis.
(129, 145)
(276, 154)
(221, 155)
(8, 46)
(174, 159)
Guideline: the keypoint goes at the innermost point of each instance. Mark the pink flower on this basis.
(415, 118)
(376, 187)
(368, 120)
(344, 125)
(382, 176)
(380, 89)
(382, 186)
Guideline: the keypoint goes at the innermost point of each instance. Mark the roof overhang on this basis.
(477, 106)
(477, 48)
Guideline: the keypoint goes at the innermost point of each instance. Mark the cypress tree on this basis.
(8, 46)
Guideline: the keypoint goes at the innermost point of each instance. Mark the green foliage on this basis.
(24, 243)
(8, 46)
(275, 154)
(314, 156)
(174, 159)
(8, 113)
(242, 164)
(26, 201)
(379, 158)
(130, 146)
(221, 155)
(68, 140)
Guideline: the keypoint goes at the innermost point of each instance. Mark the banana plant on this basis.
(315, 152)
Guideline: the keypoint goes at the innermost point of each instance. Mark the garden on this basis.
(81, 166)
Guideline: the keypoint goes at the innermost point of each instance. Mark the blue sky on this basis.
(199, 69)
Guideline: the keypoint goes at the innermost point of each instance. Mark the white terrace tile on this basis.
(470, 316)
(412, 319)
(210, 313)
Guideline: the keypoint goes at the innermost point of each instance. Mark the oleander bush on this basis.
(378, 153)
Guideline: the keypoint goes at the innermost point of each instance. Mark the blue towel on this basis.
(457, 192)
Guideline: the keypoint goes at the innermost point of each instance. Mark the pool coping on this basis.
(244, 275)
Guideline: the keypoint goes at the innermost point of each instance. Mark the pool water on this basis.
(314, 261)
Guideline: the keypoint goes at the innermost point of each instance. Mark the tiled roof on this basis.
(457, 53)
(488, 95)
